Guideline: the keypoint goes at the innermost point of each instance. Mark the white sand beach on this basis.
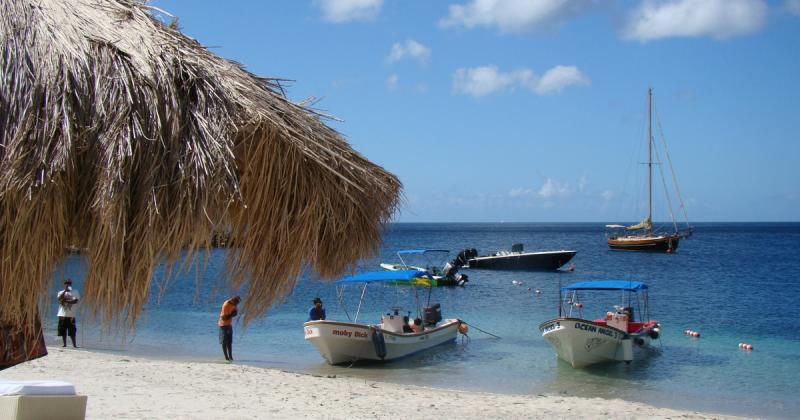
(120, 386)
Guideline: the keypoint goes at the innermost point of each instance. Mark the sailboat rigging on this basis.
(641, 236)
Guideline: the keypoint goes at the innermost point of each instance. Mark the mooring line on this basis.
(483, 331)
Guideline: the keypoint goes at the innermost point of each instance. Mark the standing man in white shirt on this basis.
(67, 299)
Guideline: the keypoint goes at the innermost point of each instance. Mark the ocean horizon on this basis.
(732, 281)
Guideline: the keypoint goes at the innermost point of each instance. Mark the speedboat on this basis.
(394, 337)
(518, 259)
(613, 338)
(448, 275)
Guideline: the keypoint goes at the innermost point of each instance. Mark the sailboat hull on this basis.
(660, 243)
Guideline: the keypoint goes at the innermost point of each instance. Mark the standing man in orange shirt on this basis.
(226, 326)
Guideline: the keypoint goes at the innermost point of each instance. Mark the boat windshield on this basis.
(426, 261)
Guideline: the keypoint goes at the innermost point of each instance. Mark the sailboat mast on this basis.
(650, 156)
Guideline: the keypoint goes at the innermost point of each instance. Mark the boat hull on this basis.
(432, 281)
(346, 342)
(582, 343)
(523, 261)
(667, 243)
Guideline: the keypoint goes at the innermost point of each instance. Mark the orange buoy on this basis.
(463, 328)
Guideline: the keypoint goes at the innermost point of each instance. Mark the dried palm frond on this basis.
(120, 135)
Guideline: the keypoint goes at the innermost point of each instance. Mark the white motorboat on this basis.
(396, 336)
(614, 338)
(448, 275)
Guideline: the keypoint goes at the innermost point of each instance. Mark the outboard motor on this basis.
(449, 270)
(432, 314)
(516, 248)
(463, 257)
(461, 279)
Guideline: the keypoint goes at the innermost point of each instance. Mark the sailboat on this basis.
(642, 236)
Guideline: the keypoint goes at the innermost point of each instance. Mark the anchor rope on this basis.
(483, 331)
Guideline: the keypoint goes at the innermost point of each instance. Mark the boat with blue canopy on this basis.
(424, 260)
(396, 335)
(613, 337)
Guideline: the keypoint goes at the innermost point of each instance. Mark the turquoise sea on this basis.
(732, 282)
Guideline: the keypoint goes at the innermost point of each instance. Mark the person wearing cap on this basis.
(317, 312)
(67, 325)
(226, 315)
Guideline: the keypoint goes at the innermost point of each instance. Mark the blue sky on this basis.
(533, 111)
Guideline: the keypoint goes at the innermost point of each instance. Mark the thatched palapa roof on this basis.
(121, 135)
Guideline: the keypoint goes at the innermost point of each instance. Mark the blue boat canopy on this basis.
(631, 286)
(421, 251)
(383, 276)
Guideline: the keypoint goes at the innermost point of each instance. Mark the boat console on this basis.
(618, 319)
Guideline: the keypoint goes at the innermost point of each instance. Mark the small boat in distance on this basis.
(448, 275)
(518, 259)
(641, 236)
(396, 336)
(613, 338)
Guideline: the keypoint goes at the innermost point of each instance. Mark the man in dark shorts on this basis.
(67, 325)
(226, 315)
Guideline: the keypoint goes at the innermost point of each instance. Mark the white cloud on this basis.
(582, 181)
(655, 19)
(554, 189)
(515, 15)
(339, 11)
(792, 6)
(411, 49)
(392, 81)
(608, 195)
(481, 81)
(559, 77)
(520, 192)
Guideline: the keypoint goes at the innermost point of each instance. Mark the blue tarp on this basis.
(384, 276)
(421, 251)
(631, 286)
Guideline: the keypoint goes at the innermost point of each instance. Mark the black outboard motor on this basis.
(516, 248)
(450, 270)
(432, 314)
(463, 257)
(462, 279)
